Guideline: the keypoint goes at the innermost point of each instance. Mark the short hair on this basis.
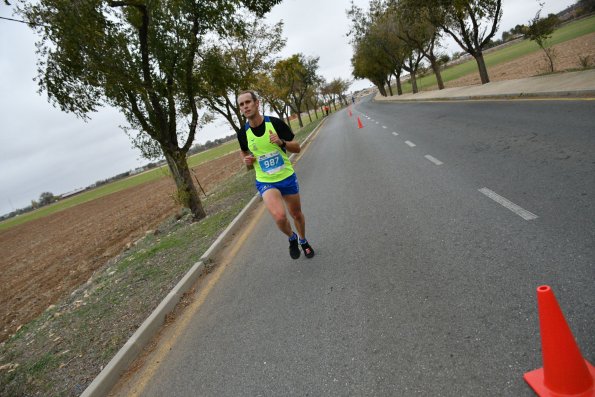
(252, 94)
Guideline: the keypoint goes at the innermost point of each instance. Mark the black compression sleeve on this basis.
(282, 129)
(243, 140)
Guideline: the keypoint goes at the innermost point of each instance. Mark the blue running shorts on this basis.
(287, 186)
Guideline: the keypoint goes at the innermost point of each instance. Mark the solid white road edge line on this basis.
(523, 213)
(433, 159)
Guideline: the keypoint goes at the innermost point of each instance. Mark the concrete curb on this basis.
(109, 376)
(520, 95)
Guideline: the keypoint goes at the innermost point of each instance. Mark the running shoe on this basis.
(294, 249)
(308, 251)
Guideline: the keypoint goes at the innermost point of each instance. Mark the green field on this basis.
(567, 32)
(117, 186)
(136, 180)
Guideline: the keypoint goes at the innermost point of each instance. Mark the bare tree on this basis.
(540, 31)
(471, 23)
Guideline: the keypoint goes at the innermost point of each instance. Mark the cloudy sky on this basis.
(43, 149)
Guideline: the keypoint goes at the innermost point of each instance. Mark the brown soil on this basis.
(45, 259)
(566, 58)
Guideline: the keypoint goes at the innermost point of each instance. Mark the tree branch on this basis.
(475, 25)
(144, 46)
(131, 3)
(457, 39)
(495, 24)
(189, 84)
(139, 115)
(171, 104)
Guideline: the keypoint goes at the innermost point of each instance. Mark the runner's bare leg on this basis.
(274, 202)
(295, 210)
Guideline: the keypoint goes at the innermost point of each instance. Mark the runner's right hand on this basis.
(248, 160)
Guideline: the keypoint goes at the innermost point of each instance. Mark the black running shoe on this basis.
(308, 251)
(294, 249)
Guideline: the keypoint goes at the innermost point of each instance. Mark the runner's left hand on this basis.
(274, 138)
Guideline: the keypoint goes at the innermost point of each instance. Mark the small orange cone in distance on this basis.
(565, 372)
(349, 112)
(359, 123)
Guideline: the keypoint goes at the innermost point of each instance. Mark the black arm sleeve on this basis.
(243, 140)
(282, 129)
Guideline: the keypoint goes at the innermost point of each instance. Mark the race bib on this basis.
(271, 162)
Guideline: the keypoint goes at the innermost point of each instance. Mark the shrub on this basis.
(585, 61)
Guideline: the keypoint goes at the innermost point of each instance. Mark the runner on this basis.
(264, 143)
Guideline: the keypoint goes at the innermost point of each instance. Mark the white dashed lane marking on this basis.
(410, 143)
(384, 126)
(394, 133)
(523, 213)
(433, 159)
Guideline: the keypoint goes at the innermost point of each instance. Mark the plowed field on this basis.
(45, 259)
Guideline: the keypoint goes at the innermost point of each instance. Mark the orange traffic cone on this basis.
(359, 123)
(565, 372)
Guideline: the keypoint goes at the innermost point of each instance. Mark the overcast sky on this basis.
(43, 149)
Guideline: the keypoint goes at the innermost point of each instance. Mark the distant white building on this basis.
(72, 193)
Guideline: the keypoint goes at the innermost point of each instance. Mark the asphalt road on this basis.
(422, 283)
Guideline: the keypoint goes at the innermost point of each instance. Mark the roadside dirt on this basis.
(566, 58)
(44, 260)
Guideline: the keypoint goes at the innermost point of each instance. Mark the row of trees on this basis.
(169, 66)
(397, 36)
(292, 85)
(247, 58)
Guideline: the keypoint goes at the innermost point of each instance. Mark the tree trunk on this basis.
(381, 89)
(299, 116)
(186, 191)
(436, 69)
(413, 82)
(481, 65)
(398, 79)
(308, 110)
(390, 89)
(287, 117)
(550, 54)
